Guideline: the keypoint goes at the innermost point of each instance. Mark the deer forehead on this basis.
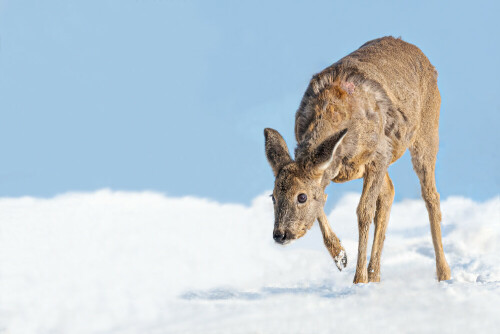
(293, 180)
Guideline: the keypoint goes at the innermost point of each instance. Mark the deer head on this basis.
(299, 187)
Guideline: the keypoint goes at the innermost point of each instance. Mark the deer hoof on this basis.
(341, 260)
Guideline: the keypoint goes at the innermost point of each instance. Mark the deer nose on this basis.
(279, 237)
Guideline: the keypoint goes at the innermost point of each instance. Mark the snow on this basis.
(125, 262)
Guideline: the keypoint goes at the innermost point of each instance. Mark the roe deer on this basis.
(356, 118)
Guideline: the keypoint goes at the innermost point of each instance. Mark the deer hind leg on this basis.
(423, 153)
(372, 184)
(384, 203)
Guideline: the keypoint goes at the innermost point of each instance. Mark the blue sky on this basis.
(173, 96)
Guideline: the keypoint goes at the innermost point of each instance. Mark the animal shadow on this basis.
(322, 290)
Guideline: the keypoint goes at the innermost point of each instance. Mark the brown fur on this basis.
(385, 94)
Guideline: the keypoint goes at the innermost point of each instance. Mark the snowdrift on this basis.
(123, 262)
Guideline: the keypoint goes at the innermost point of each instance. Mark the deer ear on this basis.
(276, 150)
(323, 155)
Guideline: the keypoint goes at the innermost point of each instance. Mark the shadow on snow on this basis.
(323, 290)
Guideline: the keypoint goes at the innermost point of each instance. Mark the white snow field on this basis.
(125, 262)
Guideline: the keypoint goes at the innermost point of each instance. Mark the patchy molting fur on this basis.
(385, 94)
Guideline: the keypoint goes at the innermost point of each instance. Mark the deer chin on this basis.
(287, 242)
(300, 234)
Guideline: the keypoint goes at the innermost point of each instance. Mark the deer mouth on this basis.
(284, 238)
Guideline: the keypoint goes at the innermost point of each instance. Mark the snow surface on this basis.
(123, 262)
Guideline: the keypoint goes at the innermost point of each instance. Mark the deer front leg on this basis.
(332, 243)
(372, 184)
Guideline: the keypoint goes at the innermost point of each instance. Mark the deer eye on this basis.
(274, 200)
(302, 198)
